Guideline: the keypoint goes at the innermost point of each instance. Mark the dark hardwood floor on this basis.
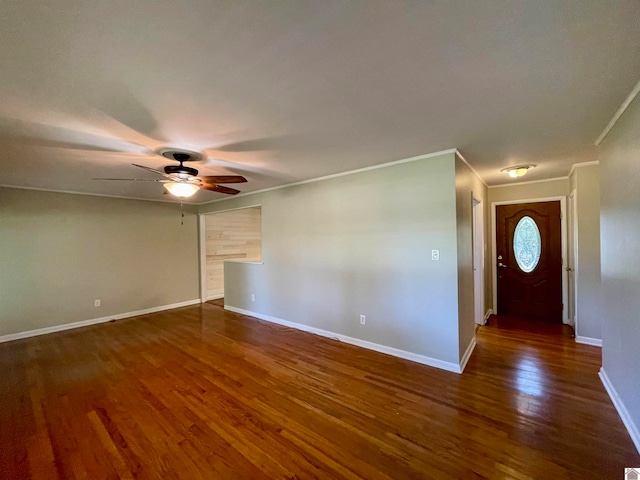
(198, 392)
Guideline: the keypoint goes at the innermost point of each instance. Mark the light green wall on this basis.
(468, 186)
(360, 244)
(620, 258)
(60, 252)
(550, 188)
(586, 183)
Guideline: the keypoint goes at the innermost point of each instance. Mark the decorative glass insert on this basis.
(526, 244)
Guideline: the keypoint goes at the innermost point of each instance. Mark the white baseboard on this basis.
(92, 321)
(622, 410)
(214, 297)
(596, 342)
(467, 354)
(484, 319)
(414, 357)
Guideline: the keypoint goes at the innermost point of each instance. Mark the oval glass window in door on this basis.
(526, 244)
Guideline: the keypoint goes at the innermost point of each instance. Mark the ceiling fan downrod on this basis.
(181, 170)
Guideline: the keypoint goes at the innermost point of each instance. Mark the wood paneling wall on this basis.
(236, 234)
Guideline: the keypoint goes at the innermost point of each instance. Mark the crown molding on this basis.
(475, 172)
(302, 182)
(582, 164)
(619, 113)
(528, 183)
(71, 192)
(341, 174)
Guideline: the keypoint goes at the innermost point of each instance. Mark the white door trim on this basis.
(573, 200)
(563, 233)
(478, 260)
(202, 250)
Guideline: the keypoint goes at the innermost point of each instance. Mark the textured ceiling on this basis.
(282, 91)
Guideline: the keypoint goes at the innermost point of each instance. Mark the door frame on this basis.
(478, 243)
(572, 260)
(202, 255)
(563, 233)
(202, 247)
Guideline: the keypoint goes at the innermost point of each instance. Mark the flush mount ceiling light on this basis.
(518, 171)
(182, 190)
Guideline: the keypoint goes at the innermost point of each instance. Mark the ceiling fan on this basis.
(183, 181)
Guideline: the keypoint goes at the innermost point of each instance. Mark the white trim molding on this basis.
(582, 164)
(487, 315)
(336, 175)
(395, 352)
(634, 433)
(83, 323)
(243, 194)
(88, 194)
(619, 113)
(479, 258)
(202, 251)
(572, 246)
(596, 342)
(475, 172)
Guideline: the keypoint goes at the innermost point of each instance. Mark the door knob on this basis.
(502, 265)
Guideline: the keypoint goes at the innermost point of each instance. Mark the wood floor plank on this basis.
(202, 393)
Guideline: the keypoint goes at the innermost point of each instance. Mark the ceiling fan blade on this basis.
(151, 170)
(277, 142)
(134, 179)
(45, 142)
(220, 189)
(36, 134)
(214, 179)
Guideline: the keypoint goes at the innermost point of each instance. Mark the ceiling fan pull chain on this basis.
(181, 213)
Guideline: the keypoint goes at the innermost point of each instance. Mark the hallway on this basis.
(546, 388)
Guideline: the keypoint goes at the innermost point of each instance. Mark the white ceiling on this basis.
(282, 91)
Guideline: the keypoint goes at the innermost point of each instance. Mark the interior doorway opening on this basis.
(230, 235)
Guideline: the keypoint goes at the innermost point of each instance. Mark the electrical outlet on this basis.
(363, 319)
(97, 302)
(253, 297)
(435, 255)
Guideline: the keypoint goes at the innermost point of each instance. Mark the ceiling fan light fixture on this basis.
(182, 190)
(518, 171)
